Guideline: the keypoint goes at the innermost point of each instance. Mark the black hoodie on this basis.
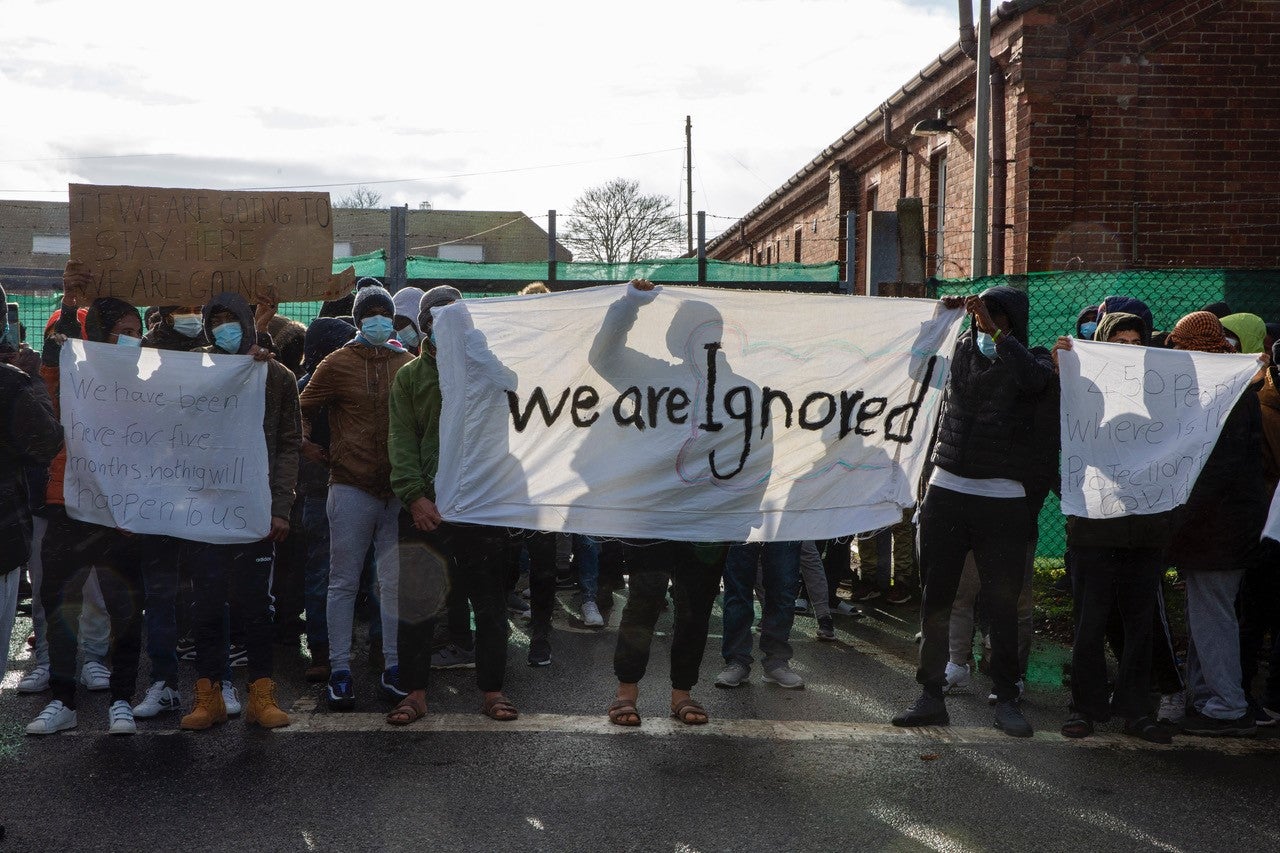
(282, 421)
(987, 428)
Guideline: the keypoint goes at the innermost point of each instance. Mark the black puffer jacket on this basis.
(29, 437)
(987, 429)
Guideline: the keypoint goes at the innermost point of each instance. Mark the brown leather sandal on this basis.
(405, 713)
(500, 709)
(687, 711)
(623, 708)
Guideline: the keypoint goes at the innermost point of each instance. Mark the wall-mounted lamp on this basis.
(933, 126)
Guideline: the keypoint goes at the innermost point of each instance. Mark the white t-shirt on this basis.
(994, 487)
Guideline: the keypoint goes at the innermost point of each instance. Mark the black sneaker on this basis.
(186, 648)
(1009, 719)
(238, 656)
(539, 651)
(826, 628)
(1198, 724)
(927, 710)
(1261, 717)
(1148, 729)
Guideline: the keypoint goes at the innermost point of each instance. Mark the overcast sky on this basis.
(471, 105)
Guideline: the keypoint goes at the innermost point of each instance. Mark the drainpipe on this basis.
(999, 168)
(982, 141)
(968, 44)
(901, 147)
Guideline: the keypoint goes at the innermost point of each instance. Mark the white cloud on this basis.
(271, 94)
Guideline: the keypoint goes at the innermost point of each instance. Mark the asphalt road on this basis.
(817, 769)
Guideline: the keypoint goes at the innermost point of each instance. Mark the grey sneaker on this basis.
(733, 675)
(453, 656)
(1173, 708)
(1009, 719)
(784, 677)
(591, 615)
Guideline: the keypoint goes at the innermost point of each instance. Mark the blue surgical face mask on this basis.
(187, 324)
(987, 345)
(377, 329)
(128, 341)
(1087, 330)
(408, 336)
(228, 337)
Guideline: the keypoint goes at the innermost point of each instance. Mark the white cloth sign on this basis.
(688, 413)
(1139, 423)
(165, 442)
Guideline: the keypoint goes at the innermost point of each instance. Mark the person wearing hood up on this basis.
(1087, 322)
(324, 336)
(1127, 305)
(354, 385)
(30, 436)
(1217, 541)
(976, 499)
(239, 575)
(1246, 332)
(406, 320)
(72, 549)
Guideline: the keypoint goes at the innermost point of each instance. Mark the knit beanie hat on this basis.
(435, 297)
(367, 298)
(1117, 321)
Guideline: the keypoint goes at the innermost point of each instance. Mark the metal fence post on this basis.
(551, 246)
(702, 247)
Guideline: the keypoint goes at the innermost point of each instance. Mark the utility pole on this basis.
(688, 180)
(982, 140)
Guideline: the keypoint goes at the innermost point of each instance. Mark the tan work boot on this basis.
(318, 672)
(209, 707)
(263, 709)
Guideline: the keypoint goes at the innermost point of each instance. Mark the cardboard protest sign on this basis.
(154, 246)
(685, 413)
(165, 442)
(1139, 423)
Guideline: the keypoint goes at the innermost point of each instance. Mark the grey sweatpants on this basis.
(356, 519)
(1213, 644)
(815, 578)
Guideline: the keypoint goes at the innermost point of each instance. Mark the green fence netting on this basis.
(1058, 297)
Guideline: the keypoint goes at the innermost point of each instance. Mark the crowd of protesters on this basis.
(352, 418)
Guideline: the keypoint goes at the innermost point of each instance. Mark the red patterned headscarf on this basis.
(1200, 331)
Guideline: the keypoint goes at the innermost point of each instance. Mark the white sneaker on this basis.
(121, 717)
(733, 675)
(802, 605)
(231, 699)
(591, 615)
(784, 677)
(55, 718)
(1173, 708)
(35, 681)
(958, 677)
(95, 676)
(160, 699)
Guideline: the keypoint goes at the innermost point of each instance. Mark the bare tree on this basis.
(615, 222)
(362, 198)
(424, 205)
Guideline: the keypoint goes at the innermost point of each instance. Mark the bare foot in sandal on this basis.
(623, 710)
(497, 707)
(411, 709)
(685, 709)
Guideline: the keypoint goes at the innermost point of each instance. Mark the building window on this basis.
(51, 244)
(461, 252)
(938, 213)
(768, 255)
(341, 250)
(795, 246)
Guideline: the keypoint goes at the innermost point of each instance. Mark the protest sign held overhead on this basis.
(1139, 423)
(155, 246)
(686, 413)
(165, 442)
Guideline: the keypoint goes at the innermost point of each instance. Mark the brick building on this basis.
(1136, 134)
(34, 237)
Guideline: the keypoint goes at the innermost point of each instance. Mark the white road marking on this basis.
(916, 831)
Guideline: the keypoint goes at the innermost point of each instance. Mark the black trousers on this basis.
(542, 575)
(837, 563)
(1164, 671)
(71, 549)
(424, 588)
(477, 560)
(1125, 580)
(239, 577)
(996, 530)
(1259, 609)
(694, 575)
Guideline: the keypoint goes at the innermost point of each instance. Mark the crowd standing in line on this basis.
(352, 426)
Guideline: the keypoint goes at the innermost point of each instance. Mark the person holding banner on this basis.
(72, 548)
(239, 575)
(354, 385)
(1218, 540)
(976, 499)
(30, 436)
(470, 557)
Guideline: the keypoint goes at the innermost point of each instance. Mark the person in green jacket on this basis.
(435, 553)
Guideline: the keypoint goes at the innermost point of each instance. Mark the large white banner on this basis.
(165, 442)
(1138, 424)
(688, 413)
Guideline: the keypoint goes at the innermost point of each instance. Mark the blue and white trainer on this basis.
(160, 699)
(342, 691)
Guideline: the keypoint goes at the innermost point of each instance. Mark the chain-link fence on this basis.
(1057, 298)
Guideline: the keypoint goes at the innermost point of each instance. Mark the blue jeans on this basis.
(781, 561)
(586, 556)
(315, 575)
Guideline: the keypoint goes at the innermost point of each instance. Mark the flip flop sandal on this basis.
(688, 707)
(621, 708)
(404, 714)
(498, 704)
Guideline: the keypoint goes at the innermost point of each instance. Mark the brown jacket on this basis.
(1269, 400)
(354, 382)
